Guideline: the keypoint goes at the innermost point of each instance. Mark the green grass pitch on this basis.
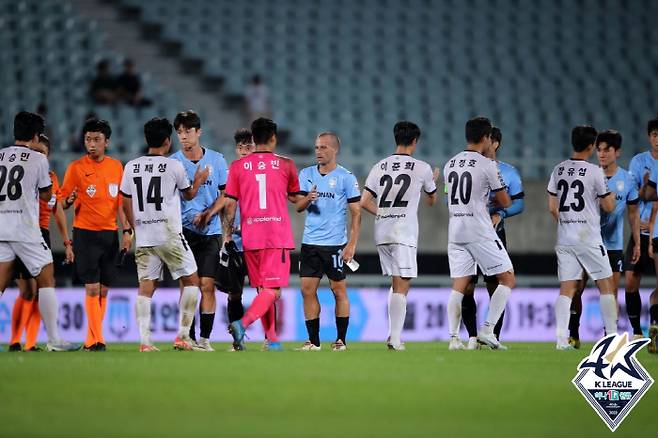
(367, 391)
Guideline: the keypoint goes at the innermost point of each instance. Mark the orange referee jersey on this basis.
(48, 207)
(97, 186)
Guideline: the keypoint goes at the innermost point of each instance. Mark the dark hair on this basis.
(188, 119)
(582, 136)
(242, 135)
(27, 125)
(652, 125)
(97, 125)
(43, 138)
(496, 135)
(262, 130)
(477, 128)
(610, 137)
(405, 133)
(156, 131)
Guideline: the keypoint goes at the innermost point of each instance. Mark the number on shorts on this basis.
(338, 259)
(262, 193)
(13, 178)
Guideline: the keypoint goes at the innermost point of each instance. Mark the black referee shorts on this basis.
(20, 271)
(95, 255)
(205, 250)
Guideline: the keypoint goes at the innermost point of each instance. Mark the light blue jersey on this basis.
(326, 218)
(622, 184)
(208, 193)
(514, 188)
(642, 164)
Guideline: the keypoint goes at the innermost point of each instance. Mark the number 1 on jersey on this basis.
(262, 193)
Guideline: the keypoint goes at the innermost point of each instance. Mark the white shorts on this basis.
(490, 255)
(572, 260)
(34, 255)
(398, 260)
(176, 254)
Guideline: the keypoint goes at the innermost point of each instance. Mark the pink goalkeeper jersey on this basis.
(262, 182)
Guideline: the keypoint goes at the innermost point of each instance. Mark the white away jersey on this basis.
(469, 178)
(153, 183)
(578, 186)
(22, 173)
(396, 183)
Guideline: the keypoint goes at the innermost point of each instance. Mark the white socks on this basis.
(143, 311)
(608, 305)
(454, 312)
(49, 309)
(397, 312)
(388, 301)
(497, 305)
(562, 314)
(188, 302)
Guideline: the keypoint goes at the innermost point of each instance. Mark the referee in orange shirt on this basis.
(91, 185)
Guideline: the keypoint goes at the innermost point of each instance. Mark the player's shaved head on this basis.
(335, 140)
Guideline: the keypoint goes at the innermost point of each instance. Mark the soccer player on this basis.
(150, 187)
(244, 146)
(24, 180)
(392, 193)
(514, 188)
(91, 186)
(262, 182)
(640, 168)
(650, 194)
(328, 191)
(577, 191)
(25, 315)
(621, 183)
(201, 228)
(470, 178)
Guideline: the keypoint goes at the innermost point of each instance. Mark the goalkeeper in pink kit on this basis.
(263, 183)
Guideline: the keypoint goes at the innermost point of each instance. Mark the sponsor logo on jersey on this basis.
(113, 189)
(620, 185)
(611, 378)
(91, 190)
(52, 201)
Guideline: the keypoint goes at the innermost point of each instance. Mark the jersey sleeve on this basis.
(70, 181)
(126, 189)
(494, 178)
(352, 192)
(637, 172)
(371, 182)
(552, 189)
(223, 172)
(43, 176)
(293, 179)
(182, 181)
(653, 177)
(515, 186)
(429, 185)
(601, 183)
(232, 189)
(633, 195)
(305, 183)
